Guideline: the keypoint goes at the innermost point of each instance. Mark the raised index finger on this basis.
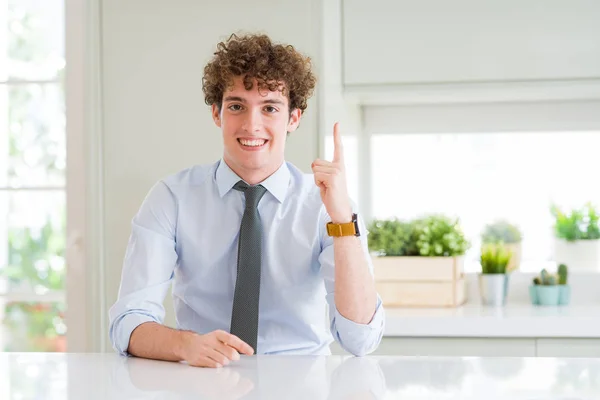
(338, 148)
(235, 342)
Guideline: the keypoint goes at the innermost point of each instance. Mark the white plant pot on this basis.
(581, 255)
(493, 289)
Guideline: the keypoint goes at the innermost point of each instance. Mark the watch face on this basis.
(355, 220)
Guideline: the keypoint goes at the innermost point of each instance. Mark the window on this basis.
(32, 175)
(480, 177)
(478, 162)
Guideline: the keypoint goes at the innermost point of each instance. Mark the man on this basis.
(257, 249)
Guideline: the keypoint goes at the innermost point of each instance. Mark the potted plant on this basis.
(419, 262)
(493, 279)
(502, 231)
(392, 238)
(577, 238)
(551, 289)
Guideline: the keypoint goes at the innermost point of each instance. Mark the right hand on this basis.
(214, 349)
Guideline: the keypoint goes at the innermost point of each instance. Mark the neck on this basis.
(252, 176)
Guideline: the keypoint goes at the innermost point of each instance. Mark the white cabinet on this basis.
(476, 347)
(568, 347)
(469, 41)
(484, 347)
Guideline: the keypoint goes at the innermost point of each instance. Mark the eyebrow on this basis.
(242, 100)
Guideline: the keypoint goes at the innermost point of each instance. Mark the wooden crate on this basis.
(420, 281)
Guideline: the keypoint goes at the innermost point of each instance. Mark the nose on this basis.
(253, 121)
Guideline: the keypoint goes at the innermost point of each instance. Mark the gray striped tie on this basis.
(244, 316)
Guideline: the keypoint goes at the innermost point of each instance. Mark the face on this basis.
(255, 126)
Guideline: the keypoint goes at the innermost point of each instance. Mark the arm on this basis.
(351, 297)
(355, 295)
(214, 349)
(148, 268)
(156, 341)
(355, 308)
(137, 316)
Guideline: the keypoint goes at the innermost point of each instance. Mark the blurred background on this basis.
(33, 204)
(478, 110)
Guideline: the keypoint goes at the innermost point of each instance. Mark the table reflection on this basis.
(108, 376)
(291, 377)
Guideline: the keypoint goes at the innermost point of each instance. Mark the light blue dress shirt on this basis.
(186, 233)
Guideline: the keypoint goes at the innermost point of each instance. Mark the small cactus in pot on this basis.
(562, 274)
(550, 289)
(547, 278)
(564, 288)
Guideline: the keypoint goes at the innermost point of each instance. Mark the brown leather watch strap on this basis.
(345, 229)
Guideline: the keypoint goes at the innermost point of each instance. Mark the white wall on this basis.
(155, 121)
(470, 41)
(482, 117)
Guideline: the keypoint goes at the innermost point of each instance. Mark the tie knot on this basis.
(253, 193)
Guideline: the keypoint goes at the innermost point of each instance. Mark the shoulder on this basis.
(196, 175)
(168, 190)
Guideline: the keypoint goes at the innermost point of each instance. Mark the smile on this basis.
(253, 143)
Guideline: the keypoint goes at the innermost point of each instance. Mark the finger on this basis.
(320, 185)
(318, 162)
(235, 342)
(322, 179)
(326, 169)
(216, 356)
(338, 148)
(204, 361)
(227, 351)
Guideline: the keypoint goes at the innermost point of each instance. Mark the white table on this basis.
(108, 376)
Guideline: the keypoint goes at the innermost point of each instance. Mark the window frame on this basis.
(86, 312)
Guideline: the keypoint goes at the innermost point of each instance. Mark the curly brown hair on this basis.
(254, 56)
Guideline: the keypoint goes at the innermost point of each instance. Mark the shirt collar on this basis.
(276, 184)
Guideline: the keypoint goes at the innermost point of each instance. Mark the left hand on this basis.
(330, 177)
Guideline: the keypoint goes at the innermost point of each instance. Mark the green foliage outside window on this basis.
(576, 224)
(36, 256)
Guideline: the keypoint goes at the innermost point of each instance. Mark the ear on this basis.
(216, 115)
(294, 120)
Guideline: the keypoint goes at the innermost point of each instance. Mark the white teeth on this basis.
(252, 143)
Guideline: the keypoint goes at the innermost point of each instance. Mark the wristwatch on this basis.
(344, 229)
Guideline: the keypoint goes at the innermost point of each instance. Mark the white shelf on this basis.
(511, 321)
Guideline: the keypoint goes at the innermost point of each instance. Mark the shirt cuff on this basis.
(360, 339)
(125, 327)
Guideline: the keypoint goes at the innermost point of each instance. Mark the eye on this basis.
(270, 109)
(235, 107)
